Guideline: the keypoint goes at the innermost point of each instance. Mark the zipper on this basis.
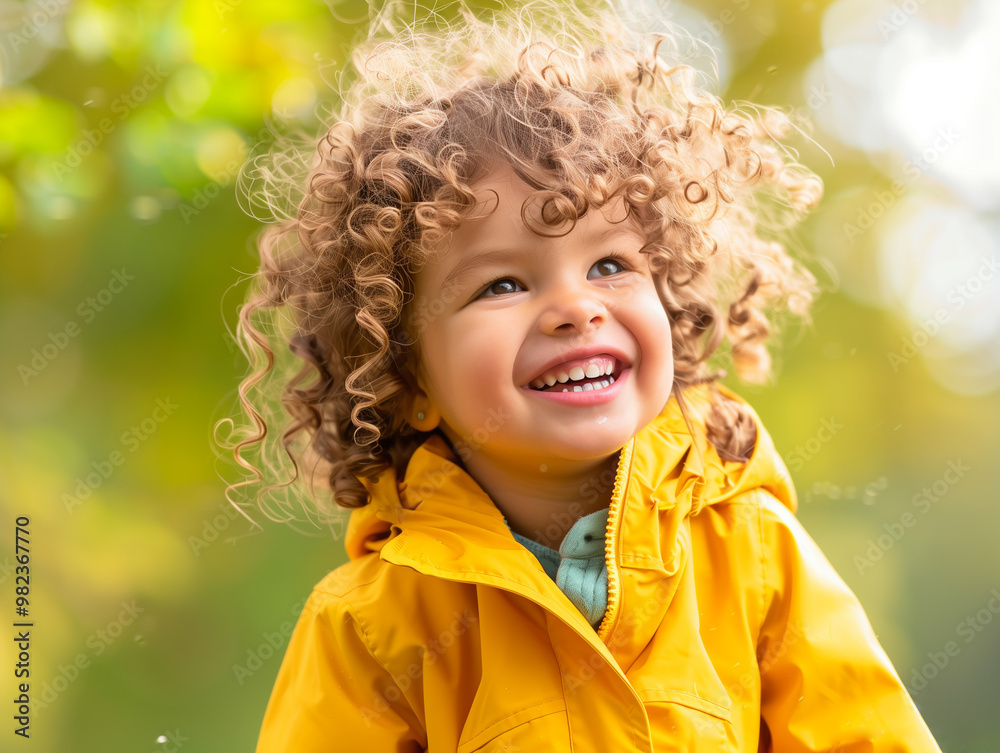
(610, 552)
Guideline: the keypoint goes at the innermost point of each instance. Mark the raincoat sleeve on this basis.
(826, 683)
(331, 692)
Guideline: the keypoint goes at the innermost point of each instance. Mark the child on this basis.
(516, 251)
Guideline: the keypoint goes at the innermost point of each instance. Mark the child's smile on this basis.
(577, 376)
(563, 338)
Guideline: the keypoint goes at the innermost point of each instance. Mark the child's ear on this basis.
(423, 414)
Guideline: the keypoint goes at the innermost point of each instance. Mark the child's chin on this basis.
(593, 446)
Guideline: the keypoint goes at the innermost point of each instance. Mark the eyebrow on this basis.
(477, 258)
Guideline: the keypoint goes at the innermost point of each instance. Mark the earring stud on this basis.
(421, 416)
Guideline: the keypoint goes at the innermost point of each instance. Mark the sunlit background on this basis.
(160, 616)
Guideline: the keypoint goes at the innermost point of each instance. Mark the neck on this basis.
(542, 502)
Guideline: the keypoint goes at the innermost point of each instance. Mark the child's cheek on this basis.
(474, 374)
(645, 303)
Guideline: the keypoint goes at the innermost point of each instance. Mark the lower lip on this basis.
(585, 397)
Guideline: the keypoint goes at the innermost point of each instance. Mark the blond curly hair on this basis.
(586, 110)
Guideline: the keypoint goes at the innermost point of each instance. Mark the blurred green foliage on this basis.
(122, 254)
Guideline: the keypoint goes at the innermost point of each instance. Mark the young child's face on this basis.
(501, 312)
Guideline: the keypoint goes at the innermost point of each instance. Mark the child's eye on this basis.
(503, 286)
(607, 267)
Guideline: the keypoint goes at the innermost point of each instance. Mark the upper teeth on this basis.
(575, 374)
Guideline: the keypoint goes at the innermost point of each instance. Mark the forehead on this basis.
(495, 227)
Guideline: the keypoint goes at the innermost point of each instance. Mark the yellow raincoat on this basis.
(726, 628)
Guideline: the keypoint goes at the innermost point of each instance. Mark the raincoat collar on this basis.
(437, 500)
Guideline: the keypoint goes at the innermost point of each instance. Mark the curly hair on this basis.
(585, 110)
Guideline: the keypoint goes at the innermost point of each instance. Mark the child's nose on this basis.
(573, 310)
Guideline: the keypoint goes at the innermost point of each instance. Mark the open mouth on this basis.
(583, 375)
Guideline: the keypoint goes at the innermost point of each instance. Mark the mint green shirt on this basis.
(578, 568)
